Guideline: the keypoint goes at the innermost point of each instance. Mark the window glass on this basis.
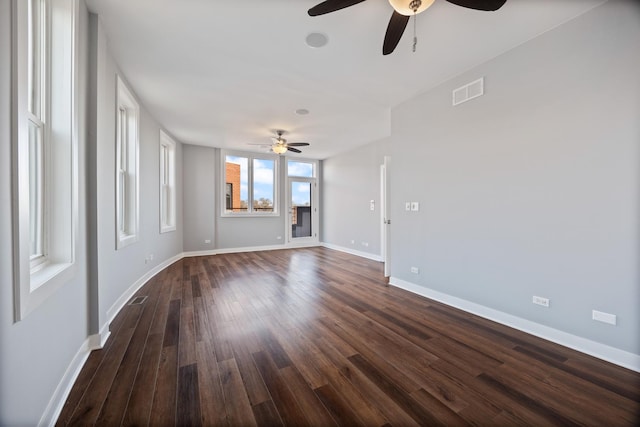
(301, 169)
(249, 185)
(263, 185)
(237, 183)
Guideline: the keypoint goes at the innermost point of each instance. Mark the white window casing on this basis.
(167, 183)
(259, 177)
(44, 149)
(127, 166)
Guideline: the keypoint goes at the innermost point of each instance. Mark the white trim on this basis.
(167, 171)
(373, 257)
(57, 401)
(583, 345)
(127, 221)
(97, 341)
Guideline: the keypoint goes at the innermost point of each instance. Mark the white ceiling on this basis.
(226, 73)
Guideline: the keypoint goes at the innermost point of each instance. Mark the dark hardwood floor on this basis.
(316, 337)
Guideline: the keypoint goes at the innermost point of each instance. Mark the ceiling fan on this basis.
(281, 146)
(402, 11)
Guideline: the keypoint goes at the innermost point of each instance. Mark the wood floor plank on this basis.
(237, 403)
(283, 399)
(90, 405)
(140, 400)
(212, 400)
(188, 402)
(163, 409)
(317, 337)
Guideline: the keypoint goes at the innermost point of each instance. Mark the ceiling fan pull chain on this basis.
(414, 5)
(415, 37)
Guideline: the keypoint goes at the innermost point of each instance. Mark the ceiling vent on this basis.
(468, 91)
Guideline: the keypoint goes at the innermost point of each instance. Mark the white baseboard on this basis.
(126, 295)
(57, 401)
(97, 341)
(248, 249)
(583, 345)
(367, 255)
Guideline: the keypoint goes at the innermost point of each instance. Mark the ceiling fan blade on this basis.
(331, 6)
(297, 144)
(396, 27)
(488, 5)
(295, 150)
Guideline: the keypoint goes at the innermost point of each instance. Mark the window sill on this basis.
(250, 215)
(126, 240)
(45, 273)
(167, 229)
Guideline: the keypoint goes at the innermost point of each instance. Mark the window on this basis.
(45, 155)
(250, 185)
(300, 169)
(127, 114)
(167, 183)
(38, 25)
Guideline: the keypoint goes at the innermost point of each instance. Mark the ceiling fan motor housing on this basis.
(410, 7)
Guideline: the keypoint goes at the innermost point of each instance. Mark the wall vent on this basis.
(468, 91)
(138, 300)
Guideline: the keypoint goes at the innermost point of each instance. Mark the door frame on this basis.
(314, 238)
(385, 216)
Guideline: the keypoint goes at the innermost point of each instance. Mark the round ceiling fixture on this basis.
(316, 40)
(302, 111)
(410, 7)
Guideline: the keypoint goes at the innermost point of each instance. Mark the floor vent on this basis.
(468, 91)
(138, 300)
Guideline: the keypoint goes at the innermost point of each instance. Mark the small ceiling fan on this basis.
(281, 146)
(402, 11)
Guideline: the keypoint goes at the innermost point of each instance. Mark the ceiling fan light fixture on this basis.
(279, 149)
(406, 7)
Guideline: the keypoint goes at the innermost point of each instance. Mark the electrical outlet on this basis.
(415, 206)
(604, 317)
(279, 238)
(415, 270)
(541, 301)
(207, 241)
(365, 244)
(353, 242)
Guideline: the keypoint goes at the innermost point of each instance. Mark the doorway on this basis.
(302, 215)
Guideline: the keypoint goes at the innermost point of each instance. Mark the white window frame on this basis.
(167, 183)
(250, 158)
(48, 178)
(127, 166)
(313, 163)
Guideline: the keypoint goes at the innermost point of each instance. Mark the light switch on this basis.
(372, 205)
(407, 206)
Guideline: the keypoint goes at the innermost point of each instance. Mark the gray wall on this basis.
(200, 197)
(35, 352)
(203, 220)
(351, 181)
(533, 188)
(119, 269)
